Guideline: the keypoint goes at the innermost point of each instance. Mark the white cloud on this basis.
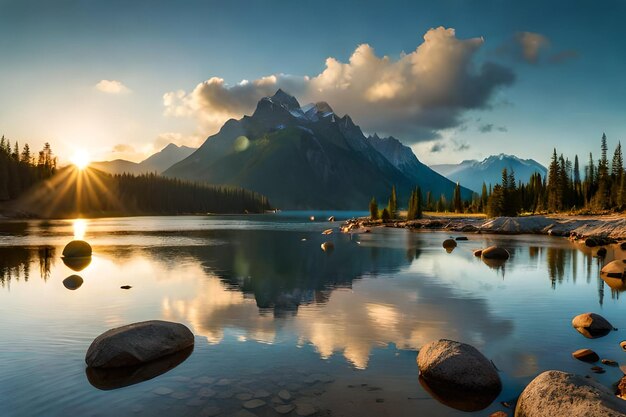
(531, 45)
(112, 87)
(415, 96)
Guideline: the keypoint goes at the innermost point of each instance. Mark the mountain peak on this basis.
(286, 100)
(169, 147)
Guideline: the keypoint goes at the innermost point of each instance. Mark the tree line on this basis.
(93, 193)
(20, 169)
(601, 186)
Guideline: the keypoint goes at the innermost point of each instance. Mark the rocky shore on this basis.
(607, 227)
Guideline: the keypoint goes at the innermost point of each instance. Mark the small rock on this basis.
(478, 252)
(499, 414)
(614, 269)
(622, 246)
(224, 382)
(462, 238)
(327, 232)
(163, 391)
(328, 246)
(597, 369)
(305, 409)
(225, 394)
(126, 287)
(586, 355)
(591, 325)
(180, 395)
(331, 219)
(449, 243)
(252, 404)
(210, 411)
(591, 242)
(206, 393)
(244, 396)
(204, 380)
(622, 344)
(621, 388)
(73, 282)
(244, 413)
(284, 395)
(608, 362)
(261, 394)
(495, 252)
(284, 408)
(601, 253)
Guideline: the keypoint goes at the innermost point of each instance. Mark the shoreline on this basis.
(609, 228)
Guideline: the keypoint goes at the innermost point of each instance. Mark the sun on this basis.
(80, 159)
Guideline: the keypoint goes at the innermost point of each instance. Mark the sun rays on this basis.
(75, 192)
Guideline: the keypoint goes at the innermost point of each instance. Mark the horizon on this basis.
(516, 76)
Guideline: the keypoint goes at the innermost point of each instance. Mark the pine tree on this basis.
(418, 192)
(456, 199)
(373, 209)
(553, 183)
(392, 206)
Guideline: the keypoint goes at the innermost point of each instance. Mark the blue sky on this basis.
(563, 90)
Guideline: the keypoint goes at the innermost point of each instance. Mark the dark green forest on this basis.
(20, 169)
(35, 187)
(600, 188)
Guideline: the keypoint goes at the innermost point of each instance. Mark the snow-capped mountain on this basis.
(472, 173)
(308, 157)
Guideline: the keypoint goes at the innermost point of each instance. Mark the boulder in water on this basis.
(591, 325)
(138, 343)
(77, 249)
(495, 252)
(556, 393)
(449, 366)
(615, 269)
(586, 355)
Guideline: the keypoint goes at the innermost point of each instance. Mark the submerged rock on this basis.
(458, 373)
(73, 282)
(591, 325)
(328, 246)
(461, 238)
(495, 252)
(601, 253)
(556, 393)
(77, 249)
(138, 343)
(586, 355)
(113, 378)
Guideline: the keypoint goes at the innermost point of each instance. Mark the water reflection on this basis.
(114, 378)
(16, 262)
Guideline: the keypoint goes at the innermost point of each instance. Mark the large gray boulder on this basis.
(457, 366)
(138, 343)
(592, 325)
(556, 394)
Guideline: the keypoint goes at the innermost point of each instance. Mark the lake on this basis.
(338, 332)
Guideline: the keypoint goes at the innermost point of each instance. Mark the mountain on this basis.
(158, 162)
(472, 173)
(304, 157)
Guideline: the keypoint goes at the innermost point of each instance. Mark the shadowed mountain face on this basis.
(158, 162)
(305, 157)
(472, 173)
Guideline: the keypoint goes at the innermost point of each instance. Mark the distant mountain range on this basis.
(158, 162)
(304, 157)
(472, 173)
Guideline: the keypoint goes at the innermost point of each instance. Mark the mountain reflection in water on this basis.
(262, 295)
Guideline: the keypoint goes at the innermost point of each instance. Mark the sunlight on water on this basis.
(80, 228)
(270, 309)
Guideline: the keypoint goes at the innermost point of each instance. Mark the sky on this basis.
(453, 79)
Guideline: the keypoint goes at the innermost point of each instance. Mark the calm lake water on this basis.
(339, 331)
